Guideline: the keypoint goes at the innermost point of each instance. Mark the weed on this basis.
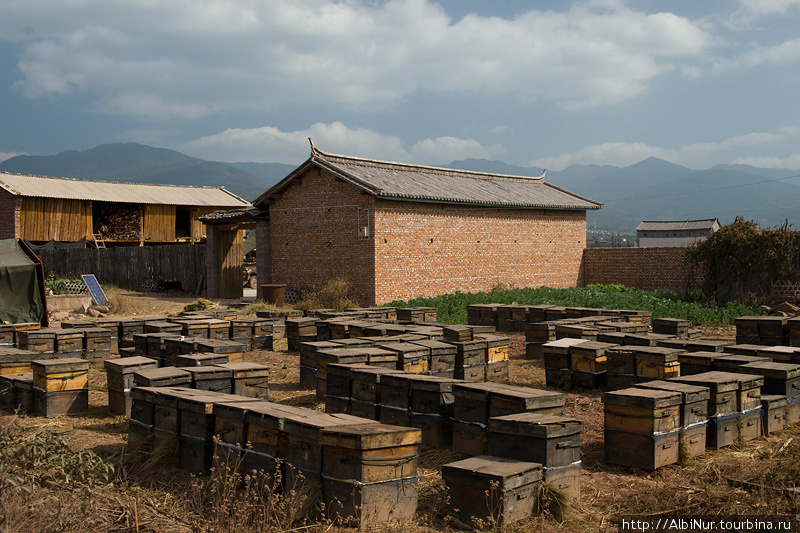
(334, 294)
(201, 304)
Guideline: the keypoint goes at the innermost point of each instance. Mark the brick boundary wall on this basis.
(10, 207)
(653, 268)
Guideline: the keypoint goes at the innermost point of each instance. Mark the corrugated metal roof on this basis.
(422, 183)
(677, 225)
(112, 191)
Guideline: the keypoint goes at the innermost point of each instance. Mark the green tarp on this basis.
(20, 298)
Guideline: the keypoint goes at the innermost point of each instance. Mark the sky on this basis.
(532, 83)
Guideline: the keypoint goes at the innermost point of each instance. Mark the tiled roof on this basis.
(677, 225)
(112, 191)
(400, 181)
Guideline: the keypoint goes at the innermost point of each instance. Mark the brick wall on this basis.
(662, 268)
(314, 235)
(10, 206)
(426, 249)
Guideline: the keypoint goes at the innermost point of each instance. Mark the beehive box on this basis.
(221, 329)
(457, 333)
(747, 329)
(750, 423)
(576, 331)
(779, 378)
(642, 411)
(266, 436)
(723, 423)
(698, 362)
(773, 408)
(42, 340)
(96, 343)
(369, 472)
(120, 379)
(675, 327)
(6, 335)
(162, 327)
(233, 349)
(200, 359)
(557, 353)
(773, 330)
(249, 379)
(196, 429)
(744, 349)
(245, 330)
(510, 399)
(211, 378)
(698, 345)
(304, 446)
(470, 353)
(142, 415)
(17, 392)
(497, 371)
(230, 429)
(553, 441)
(564, 480)
(511, 486)
(442, 357)
(731, 363)
(338, 388)
(193, 328)
(162, 377)
(693, 413)
(640, 450)
(17, 361)
(654, 362)
(537, 313)
(366, 390)
(60, 386)
(347, 356)
(589, 356)
(540, 332)
(780, 354)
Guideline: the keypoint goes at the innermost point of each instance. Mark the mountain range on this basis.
(652, 189)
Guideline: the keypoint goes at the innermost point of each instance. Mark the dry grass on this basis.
(334, 294)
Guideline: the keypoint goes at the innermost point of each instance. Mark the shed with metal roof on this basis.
(41, 208)
(397, 231)
(652, 233)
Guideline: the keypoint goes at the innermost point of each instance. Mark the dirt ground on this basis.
(153, 500)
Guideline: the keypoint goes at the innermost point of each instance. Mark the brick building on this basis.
(398, 231)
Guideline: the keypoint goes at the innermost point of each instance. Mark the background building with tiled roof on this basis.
(398, 231)
(674, 232)
(39, 209)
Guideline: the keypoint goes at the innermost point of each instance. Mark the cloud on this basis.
(269, 144)
(793, 161)
(185, 59)
(9, 155)
(695, 155)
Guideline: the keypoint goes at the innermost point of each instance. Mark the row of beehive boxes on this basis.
(166, 348)
(506, 317)
(587, 364)
(768, 330)
(665, 421)
(316, 328)
(199, 371)
(482, 359)
(663, 330)
(368, 470)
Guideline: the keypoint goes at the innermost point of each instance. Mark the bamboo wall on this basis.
(44, 219)
(198, 228)
(128, 267)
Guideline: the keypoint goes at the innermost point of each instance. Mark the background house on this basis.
(674, 232)
(398, 231)
(40, 209)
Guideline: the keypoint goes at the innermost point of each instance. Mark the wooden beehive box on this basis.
(18, 392)
(457, 333)
(693, 413)
(698, 362)
(6, 335)
(221, 329)
(249, 379)
(17, 361)
(37, 340)
(676, 327)
(731, 363)
(557, 353)
(779, 378)
(431, 395)
(369, 473)
(119, 377)
(96, 343)
(304, 446)
(576, 331)
(352, 343)
(774, 413)
(698, 345)
(590, 356)
(377, 356)
(366, 390)
(509, 399)
(230, 427)
(301, 326)
(211, 378)
(496, 371)
(128, 327)
(162, 377)
(200, 359)
(410, 357)
(266, 436)
(344, 356)
(744, 349)
(142, 415)
(553, 441)
(723, 389)
(639, 450)
(642, 411)
(60, 386)
(233, 349)
(780, 354)
(196, 430)
(644, 339)
(493, 489)
(540, 332)
(338, 388)
(657, 363)
(470, 353)
(773, 330)
(162, 327)
(496, 348)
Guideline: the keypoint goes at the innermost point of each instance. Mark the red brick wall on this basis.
(426, 249)
(314, 235)
(662, 268)
(10, 206)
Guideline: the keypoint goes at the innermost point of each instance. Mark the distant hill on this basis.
(654, 189)
(132, 162)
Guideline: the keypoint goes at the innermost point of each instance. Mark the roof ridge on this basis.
(424, 168)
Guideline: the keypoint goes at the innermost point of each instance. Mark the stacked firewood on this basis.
(118, 223)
